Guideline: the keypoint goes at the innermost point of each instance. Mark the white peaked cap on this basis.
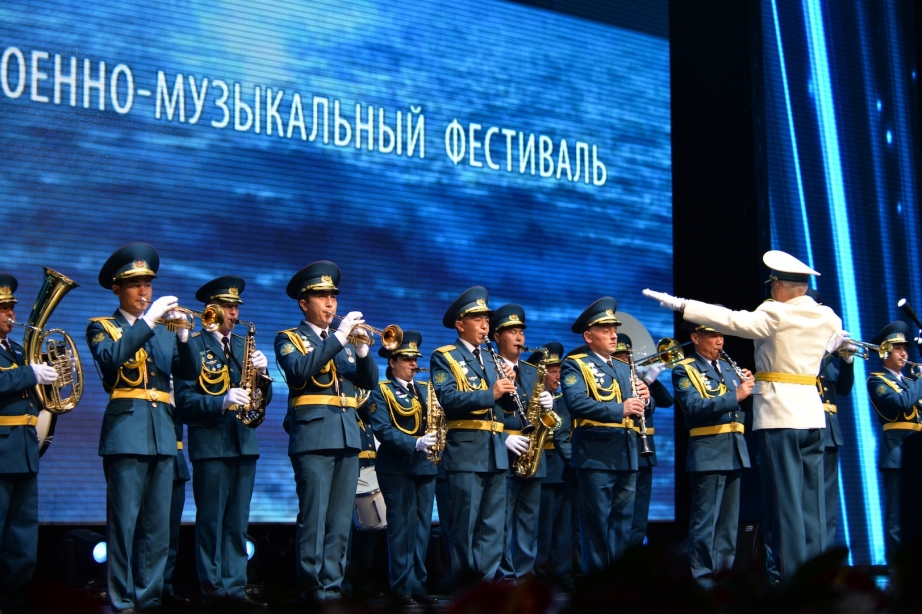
(783, 262)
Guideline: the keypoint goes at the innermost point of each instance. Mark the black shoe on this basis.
(172, 599)
(247, 603)
(403, 600)
(425, 599)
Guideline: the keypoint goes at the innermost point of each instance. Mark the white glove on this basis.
(158, 308)
(182, 335)
(838, 340)
(235, 396)
(426, 441)
(517, 444)
(43, 373)
(547, 400)
(666, 300)
(348, 323)
(361, 350)
(259, 360)
(653, 372)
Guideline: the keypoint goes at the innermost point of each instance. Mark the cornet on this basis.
(391, 335)
(212, 317)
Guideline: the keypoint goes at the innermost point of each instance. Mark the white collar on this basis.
(896, 374)
(317, 329)
(131, 319)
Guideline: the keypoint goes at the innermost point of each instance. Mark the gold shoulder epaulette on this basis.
(101, 319)
(878, 374)
(577, 355)
(196, 334)
(686, 361)
(422, 383)
(279, 332)
(529, 364)
(445, 349)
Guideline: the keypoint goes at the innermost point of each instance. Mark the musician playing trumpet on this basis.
(322, 369)
(398, 410)
(222, 449)
(523, 495)
(709, 391)
(19, 410)
(598, 394)
(895, 397)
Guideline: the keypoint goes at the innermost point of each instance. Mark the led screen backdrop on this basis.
(842, 142)
(424, 146)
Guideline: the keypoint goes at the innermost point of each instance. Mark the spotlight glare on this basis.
(100, 553)
(251, 548)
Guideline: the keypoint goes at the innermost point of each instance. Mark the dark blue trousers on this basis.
(18, 533)
(325, 483)
(715, 511)
(222, 488)
(478, 511)
(891, 513)
(642, 498)
(443, 504)
(520, 537)
(791, 465)
(605, 514)
(555, 544)
(831, 492)
(138, 494)
(177, 503)
(409, 500)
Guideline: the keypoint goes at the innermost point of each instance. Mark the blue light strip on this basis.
(794, 153)
(838, 210)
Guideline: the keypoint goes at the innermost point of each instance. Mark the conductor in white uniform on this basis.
(791, 334)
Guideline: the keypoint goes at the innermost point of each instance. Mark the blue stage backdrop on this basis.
(842, 143)
(425, 146)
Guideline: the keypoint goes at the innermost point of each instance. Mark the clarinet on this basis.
(645, 449)
(739, 372)
(527, 427)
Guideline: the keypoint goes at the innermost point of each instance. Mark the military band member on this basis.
(791, 334)
(833, 381)
(136, 358)
(222, 448)
(177, 503)
(523, 495)
(554, 518)
(598, 394)
(398, 411)
(709, 393)
(322, 370)
(645, 464)
(895, 397)
(469, 391)
(19, 409)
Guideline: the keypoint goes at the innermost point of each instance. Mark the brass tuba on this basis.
(526, 465)
(61, 354)
(252, 380)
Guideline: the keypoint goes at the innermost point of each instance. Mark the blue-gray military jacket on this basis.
(898, 404)
(708, 400)
(213, 433)
(320, 418)
(471, 398)
(831, 384)
(524, 384)
(135, 360)
(594, 393)
(18, 444)
(554, 461)
(398, 420)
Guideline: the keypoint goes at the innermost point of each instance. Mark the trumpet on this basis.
(212, 317)
(863, 350)
(391, 335)
(668, 351)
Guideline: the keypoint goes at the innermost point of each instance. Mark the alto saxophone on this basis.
(435, 423)
(256, 383)
(526, 465)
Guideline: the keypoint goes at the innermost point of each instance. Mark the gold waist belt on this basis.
(733, 427)
(323, 399)
(627, 423)
(367, 454)
(649, 430)
(903, 426)
(785, 378)
(148, 394)
(511, 432)
(179, 445)
(829, 408)
(27, 420)
(476, 425)
(548, 445)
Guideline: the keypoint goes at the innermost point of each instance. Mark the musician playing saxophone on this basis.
(709, 392)
(136, 357)
(598, 395)
(223, 450)
(523, 495)
(19, 409)
(397, 410)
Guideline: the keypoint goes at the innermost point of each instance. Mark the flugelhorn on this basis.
(391, 335)
(212, 317)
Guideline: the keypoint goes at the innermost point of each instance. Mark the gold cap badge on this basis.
(326, 279)
(482, 302)
(610, 313)
(513, 317)
(139, 264)
(412, 345)
(234, 291)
